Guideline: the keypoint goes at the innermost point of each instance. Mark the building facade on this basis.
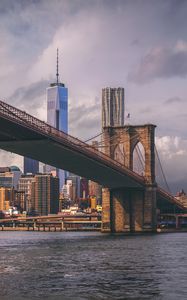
(9, 177)
(19, 201)
(95, 190)
(84, 190)
(6, 198)
(39, 194)
(57, 106)
(45, 194)
(73, 183)
(57, 113)
(30, 165)
(25, 186)
(113, 106)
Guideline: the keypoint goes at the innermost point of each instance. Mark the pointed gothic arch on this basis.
(139, 158)
(130, 136)
(119, 153)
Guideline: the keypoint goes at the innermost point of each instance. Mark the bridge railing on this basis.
(21, 117)
(168, 195)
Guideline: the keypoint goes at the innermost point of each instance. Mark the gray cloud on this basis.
(161, 62)
(174, 100)
(173, 153)
(84, 120)
(99, 41)
(8, 159)
(183, 115)
(146, 110)
(31, 97)
(135, 42)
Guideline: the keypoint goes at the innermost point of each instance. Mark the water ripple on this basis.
(92, 266)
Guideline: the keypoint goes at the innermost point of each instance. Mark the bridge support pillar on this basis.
(136, 210)
(120, 211)
(106, 207)
(150, 218)
(129, 210)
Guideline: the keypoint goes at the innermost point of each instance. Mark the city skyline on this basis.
(109, 233)
(104, 43)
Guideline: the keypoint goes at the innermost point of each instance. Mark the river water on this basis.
(90, 265)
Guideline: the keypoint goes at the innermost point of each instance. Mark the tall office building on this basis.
(73, 186)
(25, 186)
(6, 197)
(57, 112)
(41, 193)
(84, 191)
(19, 200)
(45, 194)
(113, 107)
(30, 165)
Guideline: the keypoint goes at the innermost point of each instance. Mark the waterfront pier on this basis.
(53, 223)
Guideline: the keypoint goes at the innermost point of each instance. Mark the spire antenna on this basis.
(57, 74)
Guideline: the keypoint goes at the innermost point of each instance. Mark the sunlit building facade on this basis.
(9, 177)
(45, 194)
(25, 186)
(113, 106)
(6, 198)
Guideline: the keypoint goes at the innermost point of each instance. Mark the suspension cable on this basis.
(110, 140)
(93, 137)
(97, 135)
(139, 157)
(160, 164)
(140, 153)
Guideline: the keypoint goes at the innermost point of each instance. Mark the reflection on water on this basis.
(69, 265)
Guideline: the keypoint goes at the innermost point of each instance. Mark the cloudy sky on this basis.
(140, 45)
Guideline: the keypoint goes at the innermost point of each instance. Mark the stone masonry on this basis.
(130, 210)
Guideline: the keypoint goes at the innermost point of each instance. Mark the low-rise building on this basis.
(6, 198)
(182, 197)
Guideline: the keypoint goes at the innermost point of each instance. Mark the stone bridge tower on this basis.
(130, 210)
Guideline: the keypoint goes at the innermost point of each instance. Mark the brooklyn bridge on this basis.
(130, 200)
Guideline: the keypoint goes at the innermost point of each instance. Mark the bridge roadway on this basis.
(28, 136)
(25, 135)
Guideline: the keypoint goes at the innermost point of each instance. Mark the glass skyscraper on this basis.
(57, 106)
(57, 112)
(30, 165)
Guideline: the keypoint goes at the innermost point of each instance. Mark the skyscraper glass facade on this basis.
(57, 114)
(57, 107)
(30, 165)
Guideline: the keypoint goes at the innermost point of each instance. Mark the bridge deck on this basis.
(26, 135)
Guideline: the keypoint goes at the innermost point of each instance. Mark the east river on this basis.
(84, 265)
